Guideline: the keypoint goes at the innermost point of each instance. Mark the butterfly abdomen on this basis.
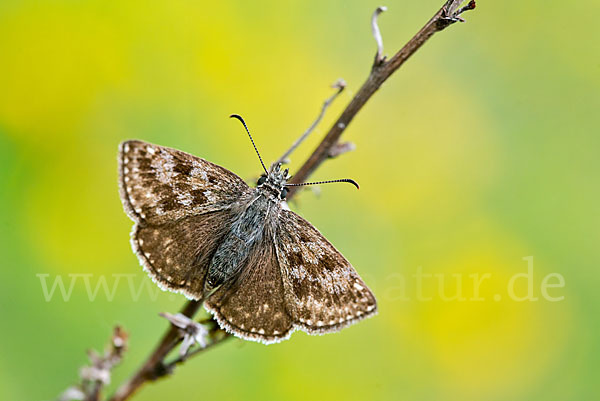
(247, 230)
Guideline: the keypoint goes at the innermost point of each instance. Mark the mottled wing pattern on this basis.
(159, 184)
(177, 254)
(253, 307)
(182, 206)
(323, 292)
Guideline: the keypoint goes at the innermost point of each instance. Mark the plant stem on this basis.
(381, 71)
(151, 369)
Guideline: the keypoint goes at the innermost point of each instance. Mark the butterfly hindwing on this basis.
(159, 184)
(323, 292)
(253, 306)
(177, 254)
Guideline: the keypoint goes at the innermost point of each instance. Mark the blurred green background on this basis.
(481, 151)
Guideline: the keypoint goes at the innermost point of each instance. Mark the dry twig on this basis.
(339, 85)
(382, 69)
(95, 376)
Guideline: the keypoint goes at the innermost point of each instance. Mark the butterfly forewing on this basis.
(182, 205)
(160, 184)
(323, 291)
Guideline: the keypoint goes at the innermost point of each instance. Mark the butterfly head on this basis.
(274, 181)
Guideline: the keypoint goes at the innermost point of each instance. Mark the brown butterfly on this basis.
(261, 270)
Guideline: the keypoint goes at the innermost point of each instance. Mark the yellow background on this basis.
(480, 151)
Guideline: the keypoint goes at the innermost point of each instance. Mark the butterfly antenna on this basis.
(348, 180)
(251, 140)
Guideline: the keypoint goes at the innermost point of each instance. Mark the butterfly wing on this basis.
(323, 292)
(182, 206)
(177, 254)
(159, 184)
(253, 307)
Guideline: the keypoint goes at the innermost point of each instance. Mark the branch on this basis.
(382, 69)
(340, 84)
(152, 368)
(215, 336)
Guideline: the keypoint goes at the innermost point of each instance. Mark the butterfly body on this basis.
(246, 232)
(261, 270)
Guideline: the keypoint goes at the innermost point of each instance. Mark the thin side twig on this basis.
(379, 57)
(97, 374)
(215, 336)
(339, 85)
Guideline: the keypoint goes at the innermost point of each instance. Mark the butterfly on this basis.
(260, 269)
